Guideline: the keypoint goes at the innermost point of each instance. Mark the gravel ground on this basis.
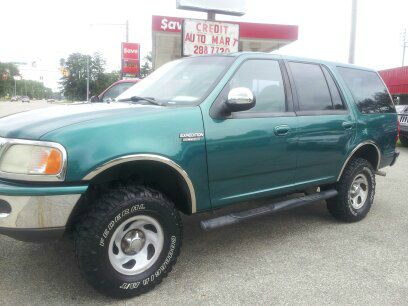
(300, 256)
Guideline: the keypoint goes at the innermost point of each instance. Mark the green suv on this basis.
(198, 134)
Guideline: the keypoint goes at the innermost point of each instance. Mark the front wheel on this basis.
(128, 242)
(356, 192)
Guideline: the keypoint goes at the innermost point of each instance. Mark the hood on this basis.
(33, 124)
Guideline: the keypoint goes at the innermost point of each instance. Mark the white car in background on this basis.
(25, 99)
(402, 111)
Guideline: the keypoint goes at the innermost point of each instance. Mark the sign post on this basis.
(209, 37)
(130, 60)
(226, 7)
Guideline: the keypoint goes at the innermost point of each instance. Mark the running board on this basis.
(265, 210)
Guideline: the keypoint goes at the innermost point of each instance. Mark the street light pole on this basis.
(353, 31)
(126, 25)
(87, 78)
(127, 30)
(404, 45)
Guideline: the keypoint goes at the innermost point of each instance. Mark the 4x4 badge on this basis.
(191, 136)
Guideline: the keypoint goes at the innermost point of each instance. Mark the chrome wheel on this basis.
(136, 244)
(358, 192)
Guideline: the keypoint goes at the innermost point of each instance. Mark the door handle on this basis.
(347, 125)
(281, 130)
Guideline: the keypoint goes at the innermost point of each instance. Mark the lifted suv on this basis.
(198, 134)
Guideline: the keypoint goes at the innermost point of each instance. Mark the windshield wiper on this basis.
(137, 99)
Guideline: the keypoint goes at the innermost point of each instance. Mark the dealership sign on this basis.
(209, 37)
(130, 59)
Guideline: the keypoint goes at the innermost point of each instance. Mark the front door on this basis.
(253, 153)
(326, 126)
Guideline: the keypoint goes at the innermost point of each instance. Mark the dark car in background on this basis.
(113, 91)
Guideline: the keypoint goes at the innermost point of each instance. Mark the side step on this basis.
(265, 210)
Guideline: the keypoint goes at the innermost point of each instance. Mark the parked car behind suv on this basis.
(402, 111)
(114, 90)
(198, 134)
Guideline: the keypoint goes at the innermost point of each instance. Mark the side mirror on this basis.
(94, 99)
(240, 99)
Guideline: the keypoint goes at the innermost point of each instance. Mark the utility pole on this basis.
(127, 30)
(126, 25)
(404, 45)
(353, 31)
(87, 78)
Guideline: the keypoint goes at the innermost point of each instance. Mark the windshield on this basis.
(181, 82)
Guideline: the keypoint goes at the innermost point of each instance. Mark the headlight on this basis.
(31, 160)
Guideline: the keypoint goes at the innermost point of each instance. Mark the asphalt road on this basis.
(302, 256)
(7, 108)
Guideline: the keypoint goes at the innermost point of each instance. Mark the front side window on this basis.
(311, 87)
(369, 92)
(264, 79)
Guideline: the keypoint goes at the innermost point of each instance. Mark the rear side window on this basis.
(334, 91)
(369, 92)
(311, 87)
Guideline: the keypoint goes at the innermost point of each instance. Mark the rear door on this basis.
(326, 127)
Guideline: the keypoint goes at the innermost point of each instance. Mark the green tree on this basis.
(8, 70)
(73, 84)
(147, 66)
(33, 89)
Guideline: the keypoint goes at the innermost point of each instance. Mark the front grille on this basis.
(404, 119)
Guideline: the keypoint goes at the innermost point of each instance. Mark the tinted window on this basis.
(264, 78)
(334, 91)
(311, 87)
(368, 90)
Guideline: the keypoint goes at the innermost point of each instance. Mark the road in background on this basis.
(301, 256)
(8, 108)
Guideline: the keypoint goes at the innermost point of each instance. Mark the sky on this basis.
(43, 31)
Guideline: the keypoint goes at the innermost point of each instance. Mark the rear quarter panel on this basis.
(380, 128)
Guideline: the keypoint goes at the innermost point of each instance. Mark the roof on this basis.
(289, 58)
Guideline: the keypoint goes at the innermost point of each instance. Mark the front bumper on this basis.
(34, 213)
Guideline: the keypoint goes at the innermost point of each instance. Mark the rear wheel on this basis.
(356, 192)
(404, 141)
(128, 242)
